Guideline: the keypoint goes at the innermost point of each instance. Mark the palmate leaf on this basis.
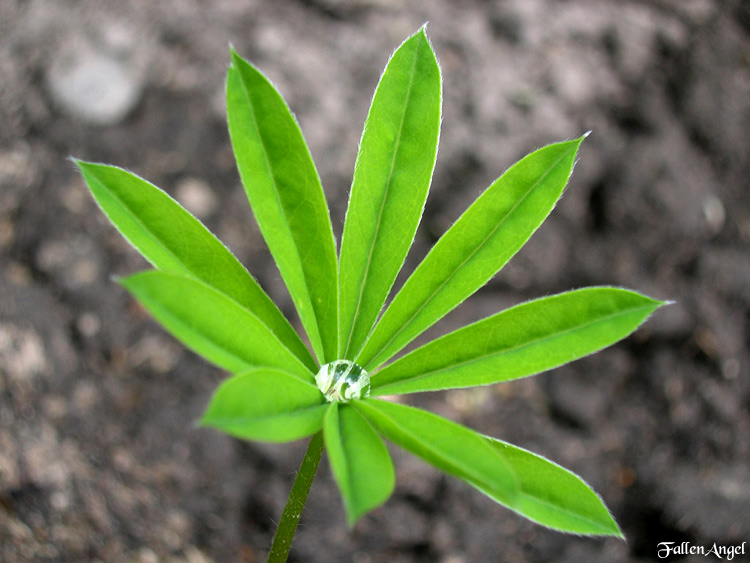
(287, 199)
(174, 241)
(391, 180)
(450, 447)
(207, 300)
(359, 460)
(251, 406)
(212, 324)
(524, 340)
(474, 249)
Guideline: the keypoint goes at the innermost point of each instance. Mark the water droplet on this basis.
(343, 380)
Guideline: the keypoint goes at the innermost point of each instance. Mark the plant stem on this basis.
(282, 541)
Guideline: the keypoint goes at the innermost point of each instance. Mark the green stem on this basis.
(282, 541)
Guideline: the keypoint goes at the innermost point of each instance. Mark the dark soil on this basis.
(99, 457)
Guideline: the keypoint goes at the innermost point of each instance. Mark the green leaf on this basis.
(287, 199)
(174, 241)
(474, 249)
(553, 496)
(524, 340)
(524, 482)
(391, 180)
(268, 405)
(359, 460)
(212, 324)
(450, 447)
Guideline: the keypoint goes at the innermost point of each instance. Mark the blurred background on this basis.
(99, 456)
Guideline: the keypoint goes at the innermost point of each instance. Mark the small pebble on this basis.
(196, 196)
(94, 86)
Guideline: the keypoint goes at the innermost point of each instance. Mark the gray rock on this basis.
(94, 85)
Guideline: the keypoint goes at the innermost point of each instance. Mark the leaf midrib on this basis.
(469, 257)
(237, 270)
(167, 312)
(468, 471)
(225, 420)
(382, 206)
(286, 226)
(348, 477)
(153, 237)
(514, 348)
(556, 507)
(561, 510)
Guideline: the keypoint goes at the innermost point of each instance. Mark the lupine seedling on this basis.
(337, 391)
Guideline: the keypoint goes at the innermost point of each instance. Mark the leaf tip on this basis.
(204, 422)
(352, 518)
(657, 303)
(612, 525)
(209, 419)
(232, 54)
(91, 170)
(422, 35)
(355, 514)
(614, 531)
(579, 141)
(82, 165)
(236, 58)
(129, 282)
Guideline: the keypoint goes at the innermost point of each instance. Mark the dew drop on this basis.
(343, 380)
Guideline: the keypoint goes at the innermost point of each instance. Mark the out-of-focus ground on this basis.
(99, 457)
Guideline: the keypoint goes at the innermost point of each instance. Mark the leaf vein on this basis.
(469, 257)
(511, 349)
(382, 206)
